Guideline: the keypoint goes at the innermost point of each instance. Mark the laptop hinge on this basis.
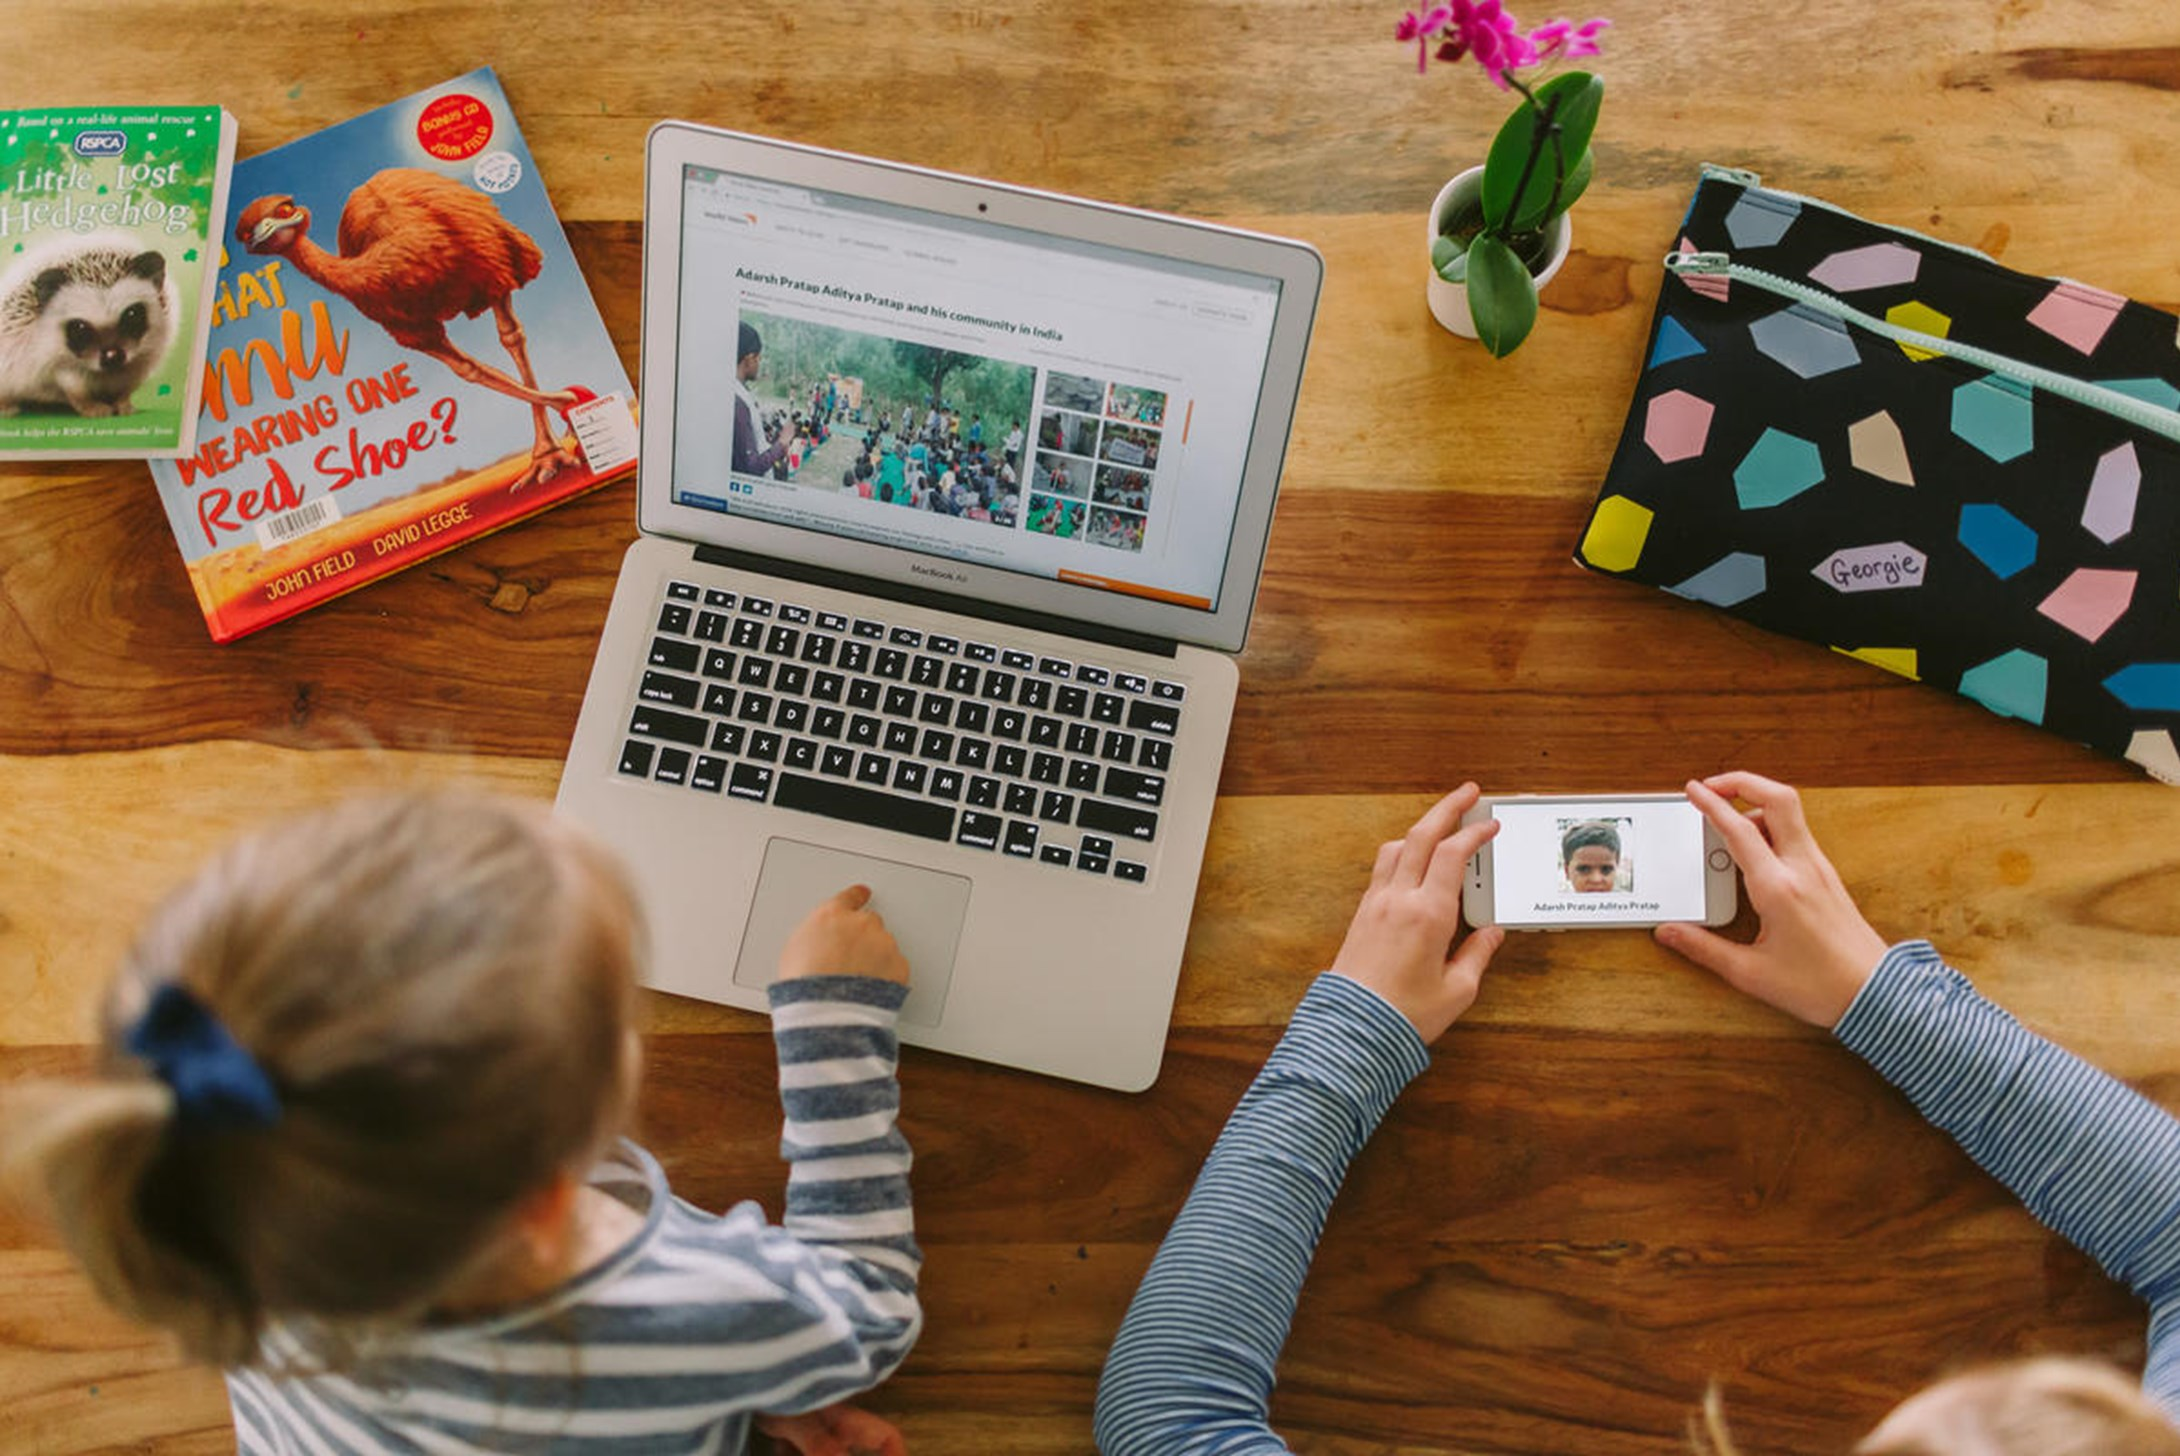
(920, 596)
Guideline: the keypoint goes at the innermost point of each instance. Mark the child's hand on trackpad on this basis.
(843, 937)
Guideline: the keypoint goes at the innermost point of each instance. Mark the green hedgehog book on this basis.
(110, 223)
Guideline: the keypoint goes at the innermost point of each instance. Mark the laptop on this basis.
(953, 503)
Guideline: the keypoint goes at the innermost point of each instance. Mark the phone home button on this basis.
(1720, 859)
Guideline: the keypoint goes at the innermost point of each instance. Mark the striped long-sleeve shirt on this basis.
(2095, 1161)
(1191, 1371)
(698, 1323)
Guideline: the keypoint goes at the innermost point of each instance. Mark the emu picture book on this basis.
(109, 244)
(405, 355)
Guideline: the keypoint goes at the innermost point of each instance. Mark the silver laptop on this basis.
(953, 502)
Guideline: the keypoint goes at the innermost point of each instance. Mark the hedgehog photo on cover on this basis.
(84, 321)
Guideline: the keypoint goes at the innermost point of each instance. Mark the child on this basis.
(1191, 1370)
(1589, 856)
(355, 1137)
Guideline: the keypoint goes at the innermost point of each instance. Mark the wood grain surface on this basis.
(1619, 1180)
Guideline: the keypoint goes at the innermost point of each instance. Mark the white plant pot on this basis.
(1449, 301)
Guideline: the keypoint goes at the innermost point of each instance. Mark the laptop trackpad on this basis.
(922, 908)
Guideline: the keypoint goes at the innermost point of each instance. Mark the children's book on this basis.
(404, 355)
(109, 238)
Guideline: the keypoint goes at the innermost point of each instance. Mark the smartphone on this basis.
(1580, 861)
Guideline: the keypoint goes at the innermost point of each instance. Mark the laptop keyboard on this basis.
(962, 740)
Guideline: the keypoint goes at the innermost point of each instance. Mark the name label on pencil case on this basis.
(1891, 566)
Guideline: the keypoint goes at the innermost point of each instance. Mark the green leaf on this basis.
(1448, 260)
(1502, 297)
(1574, 99)
(1578, 182)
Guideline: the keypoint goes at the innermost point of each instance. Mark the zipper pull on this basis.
(1741, 175)
(1698, 262)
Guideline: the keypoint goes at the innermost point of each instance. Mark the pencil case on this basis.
(1900, 449)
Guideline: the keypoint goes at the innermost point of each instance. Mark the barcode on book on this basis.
(304, 519)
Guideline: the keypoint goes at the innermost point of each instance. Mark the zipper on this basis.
(1742, 177)
(2138, 412)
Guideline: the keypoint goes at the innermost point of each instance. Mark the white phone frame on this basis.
(1721, 876)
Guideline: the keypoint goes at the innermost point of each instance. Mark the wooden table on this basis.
(1619, 1180)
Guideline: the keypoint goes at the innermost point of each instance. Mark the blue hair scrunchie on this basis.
(217, 1085)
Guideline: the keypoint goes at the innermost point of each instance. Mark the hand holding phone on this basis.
(1565, 861)
(1814, 951)
(1400, 943)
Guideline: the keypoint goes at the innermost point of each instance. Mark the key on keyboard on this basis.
(1074, 761)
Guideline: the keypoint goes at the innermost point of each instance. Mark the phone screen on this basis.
(1571, 863)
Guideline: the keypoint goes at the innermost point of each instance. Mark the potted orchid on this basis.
(1499, 232)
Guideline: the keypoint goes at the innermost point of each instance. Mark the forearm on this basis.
(2096, 1162)
(1192, 1367)
(759, 462)
(749, 459)
(848, 1164)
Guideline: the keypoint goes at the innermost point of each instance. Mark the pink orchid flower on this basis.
(1564, 40)
(1420, 29)
(1479, 28)
(1497, 42)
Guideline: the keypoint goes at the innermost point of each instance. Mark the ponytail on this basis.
(88, 1156)
(334, 1064)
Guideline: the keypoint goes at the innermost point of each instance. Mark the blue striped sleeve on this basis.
(2095, 1161)
(671, 1344)
(1191, 1371)
(848, 1218)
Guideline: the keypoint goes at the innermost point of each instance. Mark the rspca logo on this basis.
(92, 144)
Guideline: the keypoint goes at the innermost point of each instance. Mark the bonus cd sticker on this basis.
(454, 127)
(497, 172)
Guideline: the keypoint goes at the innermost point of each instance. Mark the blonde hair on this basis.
(2040, 1407)
(440, 986)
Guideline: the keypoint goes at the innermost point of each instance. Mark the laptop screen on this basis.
(1041, 404)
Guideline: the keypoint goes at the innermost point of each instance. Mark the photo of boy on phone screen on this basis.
(1593, 858)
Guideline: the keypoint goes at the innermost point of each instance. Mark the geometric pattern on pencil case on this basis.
(1952, 523)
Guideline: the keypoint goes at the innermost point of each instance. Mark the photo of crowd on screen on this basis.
(1122, 486)
(1052, 515)
(1074, 392)
(1116, 530)
(1129, 445)
(892, 420)
(1135, 405)
(1065, 430)
(1061, 475)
